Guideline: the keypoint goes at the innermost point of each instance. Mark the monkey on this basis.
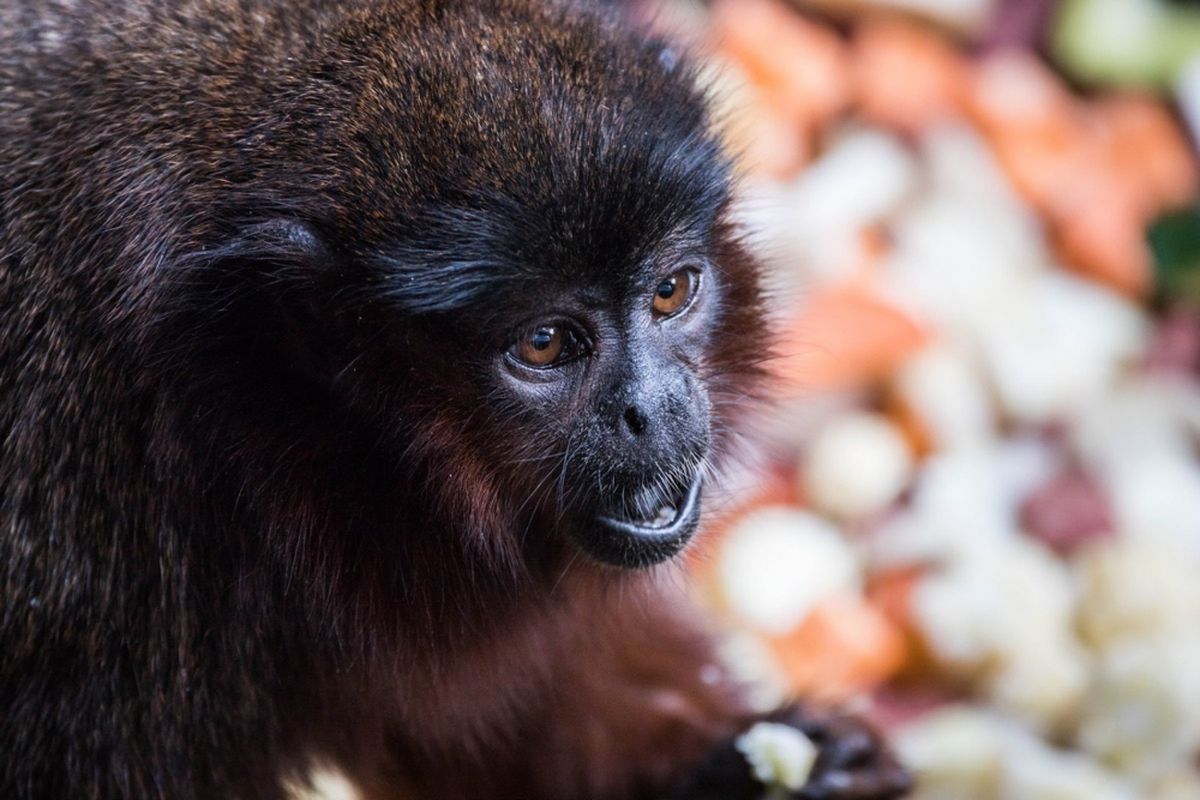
(364, 368)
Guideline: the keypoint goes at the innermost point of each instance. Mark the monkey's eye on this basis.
(675, 292)
(548, 345)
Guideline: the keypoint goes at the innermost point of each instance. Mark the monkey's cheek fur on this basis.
(635, 543)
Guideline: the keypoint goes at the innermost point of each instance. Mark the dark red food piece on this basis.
(1069, 511)
(1175, 348)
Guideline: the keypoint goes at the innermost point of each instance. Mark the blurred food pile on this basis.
(982, 508)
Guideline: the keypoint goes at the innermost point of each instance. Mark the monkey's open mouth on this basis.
(649, 528)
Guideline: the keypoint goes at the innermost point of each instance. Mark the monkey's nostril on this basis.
(635, 420)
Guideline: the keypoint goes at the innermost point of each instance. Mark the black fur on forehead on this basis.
(592, 230)
(571, 161)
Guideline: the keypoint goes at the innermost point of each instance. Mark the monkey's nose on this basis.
(636, 421)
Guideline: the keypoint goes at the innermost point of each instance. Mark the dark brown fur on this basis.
(255, 510)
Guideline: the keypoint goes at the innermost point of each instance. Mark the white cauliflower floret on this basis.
(779, 755)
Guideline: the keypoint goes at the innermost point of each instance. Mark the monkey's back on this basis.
(117, 121)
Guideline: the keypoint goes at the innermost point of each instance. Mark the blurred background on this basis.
(978, 513)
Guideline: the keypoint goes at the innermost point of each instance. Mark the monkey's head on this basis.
(512, 280)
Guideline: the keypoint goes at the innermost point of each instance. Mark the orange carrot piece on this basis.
(845, 646)
(891, 592)
(1090, 171)
(846, 336)
(1014, 90)
(1034, 123)
(1148, 149)
(801, 65)
(906, 76)
(1106, 242)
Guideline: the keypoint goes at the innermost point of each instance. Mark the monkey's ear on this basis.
(297, 317)
(269, 287)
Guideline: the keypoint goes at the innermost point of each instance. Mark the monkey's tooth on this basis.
(666, 515)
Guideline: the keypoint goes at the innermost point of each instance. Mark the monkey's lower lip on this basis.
(633, 542)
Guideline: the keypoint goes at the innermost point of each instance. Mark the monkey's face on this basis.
(578, 393)
(609, 391)
(575, 356)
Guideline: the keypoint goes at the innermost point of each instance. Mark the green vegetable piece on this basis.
(1175, 241)
(1131, 43)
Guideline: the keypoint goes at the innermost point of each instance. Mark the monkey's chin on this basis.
(639, 543)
